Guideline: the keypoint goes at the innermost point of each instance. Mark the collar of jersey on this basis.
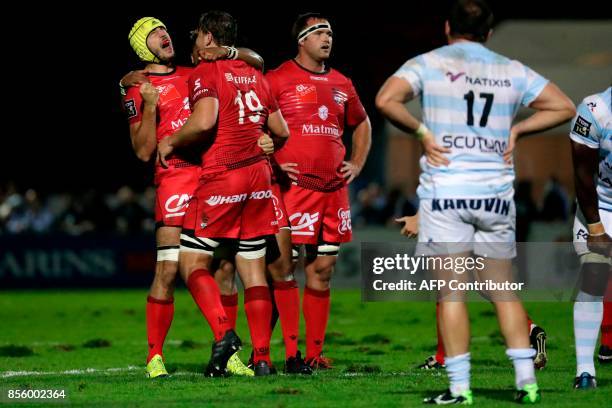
(325, 72)
(468, 44)
(161, 74)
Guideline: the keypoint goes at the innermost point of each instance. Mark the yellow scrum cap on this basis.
(138, 38)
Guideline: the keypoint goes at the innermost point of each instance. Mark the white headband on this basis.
(309, 30)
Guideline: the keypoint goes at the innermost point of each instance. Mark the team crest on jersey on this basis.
(592, 106)
(339, 97)
(306, 93)
(582, 126)
(323, 112)
(130, 108)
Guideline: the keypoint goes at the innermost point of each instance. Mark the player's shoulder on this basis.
(338, 76)
(597, 105)
(281, 69)
(205, 69)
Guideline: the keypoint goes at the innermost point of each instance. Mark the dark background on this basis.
(64, 128)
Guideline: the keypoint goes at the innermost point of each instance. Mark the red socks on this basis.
(159, 319)
(287, 297)
(230, 305)
(258, 308)
(440, 351)
(606, 325)
(316, 314)
(205, 292)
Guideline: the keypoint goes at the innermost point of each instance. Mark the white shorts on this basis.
(485, 226)
(581, 233)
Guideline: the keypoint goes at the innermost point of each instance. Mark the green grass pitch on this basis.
(92, 344)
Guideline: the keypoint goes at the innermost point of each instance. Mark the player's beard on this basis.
(164, 60)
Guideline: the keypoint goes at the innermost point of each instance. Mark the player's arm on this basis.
(362, 141)
(197, 129)
(586, 160)
(585, 136)
(553, 108)
(133, 78)
(251, 57)
(280, 133)
(391, 102)
(278, 127)
(244, 54)
(143, 133)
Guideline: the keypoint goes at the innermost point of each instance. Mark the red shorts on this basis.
(233, 204)
(317, 216)
(279, 206)
(174, 188)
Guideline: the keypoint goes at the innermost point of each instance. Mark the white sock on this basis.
(524, 373)
(588, 313)
(458, 369)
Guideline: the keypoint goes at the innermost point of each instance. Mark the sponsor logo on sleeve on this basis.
(582, 126)
(130, 108)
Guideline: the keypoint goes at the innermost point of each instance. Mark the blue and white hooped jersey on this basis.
(469, 95)
(592, 127)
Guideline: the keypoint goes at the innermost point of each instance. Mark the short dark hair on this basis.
(221, 25)
(471, 19)
(302, 21)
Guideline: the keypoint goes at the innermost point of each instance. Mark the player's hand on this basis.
(266, 144)
(164, 149)
(290, 169)
(149, 93)
(433, 151)
(134, 78)
(350, 171)
(212, 53)
(601, 244)
(411, 225)
(509, 152)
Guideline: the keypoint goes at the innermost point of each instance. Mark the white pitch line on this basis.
(8, 374)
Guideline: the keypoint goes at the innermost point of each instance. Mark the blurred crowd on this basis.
(129, 212)
(124, 211)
